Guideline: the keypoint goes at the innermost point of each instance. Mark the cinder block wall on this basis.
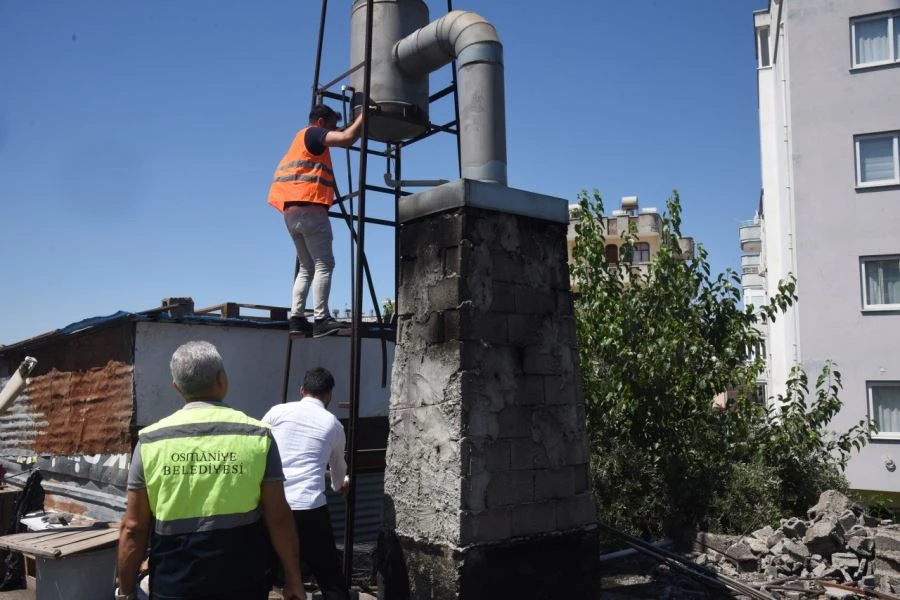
(487, 441)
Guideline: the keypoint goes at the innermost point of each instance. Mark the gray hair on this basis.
(195, 366)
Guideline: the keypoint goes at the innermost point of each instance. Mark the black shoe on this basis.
(328, 326)
(299, 326)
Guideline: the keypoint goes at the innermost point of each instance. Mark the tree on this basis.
(657, 345)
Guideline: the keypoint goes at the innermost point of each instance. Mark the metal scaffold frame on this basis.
(356, 222)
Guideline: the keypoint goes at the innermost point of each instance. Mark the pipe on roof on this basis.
(472, 41)
(16, 383)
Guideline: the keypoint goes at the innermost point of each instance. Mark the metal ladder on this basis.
(356, 221)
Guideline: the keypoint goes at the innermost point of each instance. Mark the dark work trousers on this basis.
(257, 592)
(319, 552)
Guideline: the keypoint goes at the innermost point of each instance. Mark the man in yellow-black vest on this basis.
(206, 486)
(303, 189)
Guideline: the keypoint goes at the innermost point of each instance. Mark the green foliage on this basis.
(387, 309)
(794, 442)
(747, 500)
(658, 342)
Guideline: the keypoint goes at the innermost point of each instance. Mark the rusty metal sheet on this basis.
(72, 412)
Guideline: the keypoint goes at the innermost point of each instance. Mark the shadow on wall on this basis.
(388, 560)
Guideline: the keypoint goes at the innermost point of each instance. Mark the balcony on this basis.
(751, 236)
(648, 225)
(750, 264)
(752, 280)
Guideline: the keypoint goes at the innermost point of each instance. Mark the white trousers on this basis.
(310, 228)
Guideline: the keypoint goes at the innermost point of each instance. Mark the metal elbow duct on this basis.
(473, 42)
(16, 383)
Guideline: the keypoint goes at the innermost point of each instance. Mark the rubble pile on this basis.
(837, 542)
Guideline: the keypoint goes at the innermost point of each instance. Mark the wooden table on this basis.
(72, 563)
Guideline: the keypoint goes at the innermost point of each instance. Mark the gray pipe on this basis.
(16, 383)
(473, 42)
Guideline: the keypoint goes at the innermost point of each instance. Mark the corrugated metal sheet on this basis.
(75, 420)
(65, 413)
(369, 504)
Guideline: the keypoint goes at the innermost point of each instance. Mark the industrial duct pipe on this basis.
(16, 383)
(397, 79)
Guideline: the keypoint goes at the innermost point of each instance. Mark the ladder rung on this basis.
(441, 93)
(341, 76)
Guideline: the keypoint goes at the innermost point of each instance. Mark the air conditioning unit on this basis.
(620, 213)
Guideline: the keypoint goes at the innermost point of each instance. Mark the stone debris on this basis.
(837, 543)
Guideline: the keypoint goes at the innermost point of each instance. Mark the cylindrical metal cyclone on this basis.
(402, 100)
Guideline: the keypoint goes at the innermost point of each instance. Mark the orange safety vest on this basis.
(302, 176)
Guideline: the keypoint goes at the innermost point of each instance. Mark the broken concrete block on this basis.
(743, 558)
(847, 520)
(887, 562)
(845, 560)
(758, 546)
(831, 502)
(763, 534)
(835, 593)
(774, 538)
(823, 538)
(778, 548)
(887, 538)
(796, 550)
(706, 542)
(793, 527)
(861, 545)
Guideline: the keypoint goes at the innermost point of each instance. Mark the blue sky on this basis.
(138, 140)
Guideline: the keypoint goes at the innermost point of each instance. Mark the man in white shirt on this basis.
(309, 437)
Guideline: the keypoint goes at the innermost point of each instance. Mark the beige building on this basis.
(647, 224)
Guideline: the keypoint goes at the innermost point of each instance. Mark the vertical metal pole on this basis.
(347, 114)
(397, 196)
(355, 338)
(287, 369)
(456, 107)
(315, 88)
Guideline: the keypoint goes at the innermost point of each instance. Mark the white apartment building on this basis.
(829, 119)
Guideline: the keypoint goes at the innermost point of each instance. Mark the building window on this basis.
(881, 282)
(762, 397)
(876, 40)
(762, 47)
(641, 252)
(884, 408)
(612, 253)
(877, 159)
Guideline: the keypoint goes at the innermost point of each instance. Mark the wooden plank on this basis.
(13, 542)
(55, 543)
(100, 539)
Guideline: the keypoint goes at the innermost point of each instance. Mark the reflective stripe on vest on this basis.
(302, 176)
(203, 469)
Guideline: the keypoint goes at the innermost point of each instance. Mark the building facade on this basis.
(646, 224)
(101, 380)
(829, 113)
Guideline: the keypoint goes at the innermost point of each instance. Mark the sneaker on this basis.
(328, 326)
(299, 325)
